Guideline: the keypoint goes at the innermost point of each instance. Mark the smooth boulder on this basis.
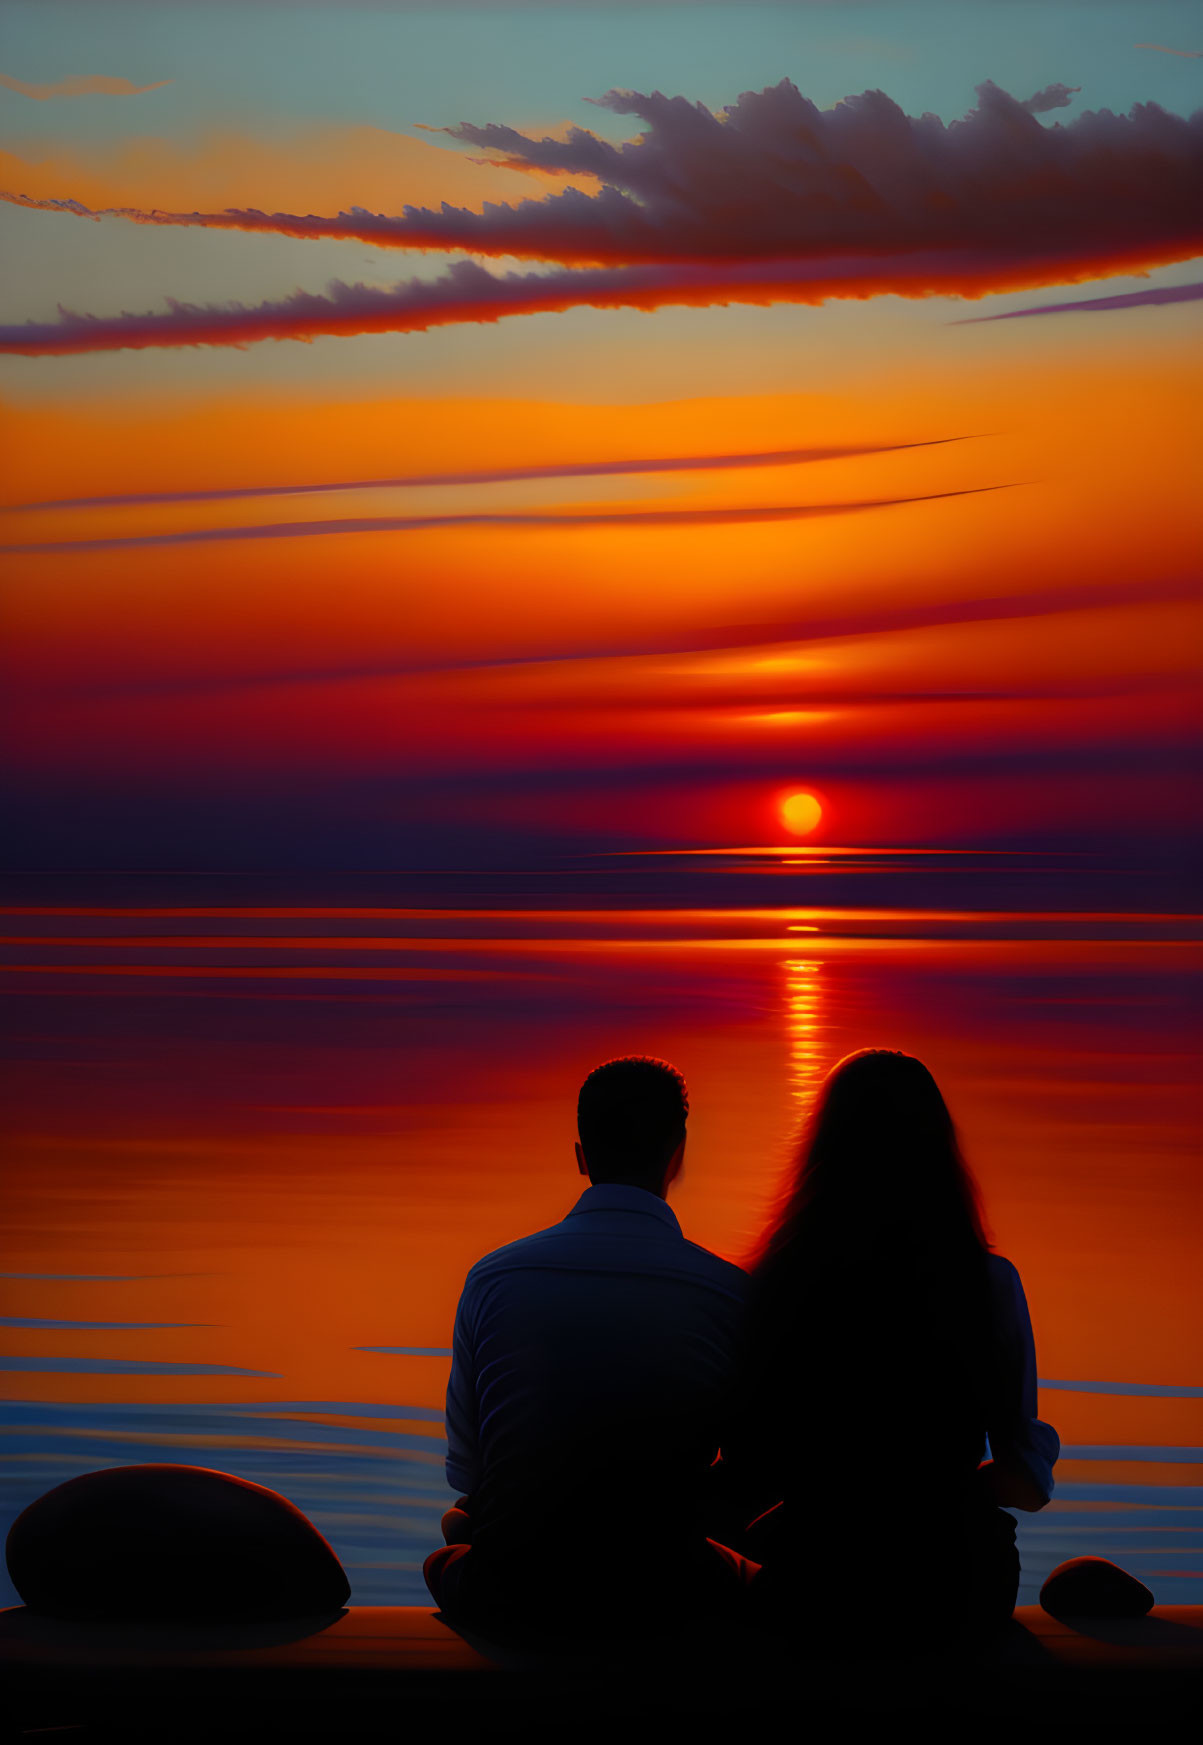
(1093, 1587)
(171, 1542)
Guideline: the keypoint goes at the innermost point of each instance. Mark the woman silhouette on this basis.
(885, 1343)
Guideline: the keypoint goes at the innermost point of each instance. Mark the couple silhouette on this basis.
(642, 1432)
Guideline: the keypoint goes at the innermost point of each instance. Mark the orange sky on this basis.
(288, 656)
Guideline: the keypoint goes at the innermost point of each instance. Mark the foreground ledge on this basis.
(403, 1668)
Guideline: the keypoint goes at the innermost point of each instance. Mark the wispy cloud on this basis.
(1052, 97)
(80, 85)
(1154, 297)
(1186, 54)
(750, 513)
(821, 626)
(781, 457)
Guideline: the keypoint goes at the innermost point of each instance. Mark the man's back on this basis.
(590, 1363)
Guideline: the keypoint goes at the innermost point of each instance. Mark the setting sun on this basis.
(800, 813)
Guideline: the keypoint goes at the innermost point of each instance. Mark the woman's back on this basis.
(884, 1341)
(848, 1375)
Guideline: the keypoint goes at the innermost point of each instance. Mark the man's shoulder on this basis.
(724, 1272)
(513, 1256)
(562, 1245)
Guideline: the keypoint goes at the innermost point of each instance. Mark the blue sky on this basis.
(392, 66)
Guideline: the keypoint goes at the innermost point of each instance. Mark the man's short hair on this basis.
(631, 1118)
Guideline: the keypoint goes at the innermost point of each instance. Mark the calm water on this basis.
(258, 1131)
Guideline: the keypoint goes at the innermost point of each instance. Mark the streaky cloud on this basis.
(928, 752)
(34, 1321)
(1153, 1390)
(1154, 297)
(738, 516)
(707, 638)
(105, 1278)
(1186, 54)
(467, 292)
(121, 1366)
(348, 1408)
(81, 85)
(1170, 1454)
(781, 457)
(740, 700)
(409, 1351)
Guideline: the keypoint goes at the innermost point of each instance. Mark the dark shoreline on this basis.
(373, 1671)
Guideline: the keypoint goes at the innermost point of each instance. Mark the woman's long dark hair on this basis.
(869, 1289)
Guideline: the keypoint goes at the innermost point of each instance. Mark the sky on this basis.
(478, 434)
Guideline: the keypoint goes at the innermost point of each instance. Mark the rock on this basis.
(1092, 1587)
(170, 1542)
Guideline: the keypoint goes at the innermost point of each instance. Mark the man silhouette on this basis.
(588, 1372)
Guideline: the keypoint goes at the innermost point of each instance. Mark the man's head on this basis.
(631, 1119)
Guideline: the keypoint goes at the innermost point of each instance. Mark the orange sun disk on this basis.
(800, 813)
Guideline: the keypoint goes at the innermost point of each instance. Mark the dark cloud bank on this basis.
(770, 200)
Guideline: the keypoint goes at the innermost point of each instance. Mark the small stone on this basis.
(1093, 1587)
(171, 1542)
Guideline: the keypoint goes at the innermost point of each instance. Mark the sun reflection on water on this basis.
(803, 1019)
